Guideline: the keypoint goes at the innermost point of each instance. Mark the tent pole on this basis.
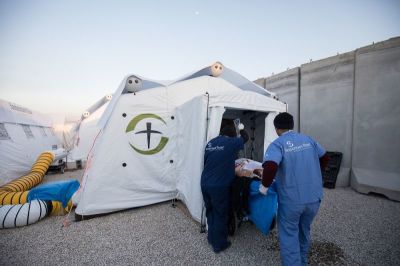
(202, 222)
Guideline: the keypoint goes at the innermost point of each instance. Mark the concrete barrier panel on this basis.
(286, 87)
(376, 143)
(326, 106)
(261, 82)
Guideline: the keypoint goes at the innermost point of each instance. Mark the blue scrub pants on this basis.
(294, 222)
(216, 199)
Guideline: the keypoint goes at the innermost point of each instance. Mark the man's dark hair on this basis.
(229, 131)
(284, 121)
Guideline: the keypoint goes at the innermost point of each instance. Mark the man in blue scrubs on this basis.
(216, 179)
(294, 161)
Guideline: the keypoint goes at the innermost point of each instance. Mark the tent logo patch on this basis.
(147, 137)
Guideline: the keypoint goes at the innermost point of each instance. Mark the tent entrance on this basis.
(255, 125)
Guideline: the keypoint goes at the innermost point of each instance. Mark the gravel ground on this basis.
(350, 229)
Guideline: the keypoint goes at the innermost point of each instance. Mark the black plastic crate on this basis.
(330, 173)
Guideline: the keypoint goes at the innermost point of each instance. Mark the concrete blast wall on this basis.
(350, 103)
(326, 103)
(376, 142)
(286, 86)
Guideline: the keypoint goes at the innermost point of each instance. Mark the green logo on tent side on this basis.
(149, 131)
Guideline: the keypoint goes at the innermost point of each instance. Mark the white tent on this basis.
(77, 133)
(151, 145)
(24, 134)
(85, 132)
(65, 128)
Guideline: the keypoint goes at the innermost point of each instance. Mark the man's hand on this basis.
(263, 190)
(239, 171)
(258, 172)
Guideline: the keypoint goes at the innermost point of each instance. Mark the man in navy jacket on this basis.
(216, 179)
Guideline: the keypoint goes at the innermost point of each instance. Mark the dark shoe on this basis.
(224, 248)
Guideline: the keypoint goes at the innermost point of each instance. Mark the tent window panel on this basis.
(43, 131)
(3, 132)
(28, 131)
(52, 131)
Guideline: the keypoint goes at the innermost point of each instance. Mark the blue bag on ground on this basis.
(61, 191)
(262, 208)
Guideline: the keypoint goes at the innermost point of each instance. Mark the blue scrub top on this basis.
(298, 179)
(219, 161)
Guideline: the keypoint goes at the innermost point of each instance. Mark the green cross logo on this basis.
(149, 131)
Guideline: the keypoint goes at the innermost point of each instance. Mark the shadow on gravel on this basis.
(325, 253)
(321, 253)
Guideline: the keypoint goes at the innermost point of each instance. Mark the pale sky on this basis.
(62, 56)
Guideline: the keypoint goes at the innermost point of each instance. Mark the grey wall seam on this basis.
(352, 115)
(298, 98)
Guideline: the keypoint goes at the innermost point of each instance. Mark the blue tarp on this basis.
(262, 208)
(61, 191)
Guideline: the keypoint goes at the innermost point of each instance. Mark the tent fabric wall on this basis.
(65, 133)
(65, 129)
(191, 121)
(86, 134)
(108, 184)
(77, 133)
(19, 152)
(16, 114)
(270, 133)
(145, 85)
(215, 118)
(119, 177)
